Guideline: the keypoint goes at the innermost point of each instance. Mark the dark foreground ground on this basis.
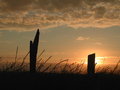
(40, 81)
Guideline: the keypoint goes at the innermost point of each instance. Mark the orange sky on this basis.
(70, 29)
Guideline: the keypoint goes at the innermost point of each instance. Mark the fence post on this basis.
(33, 52)
(91, 64)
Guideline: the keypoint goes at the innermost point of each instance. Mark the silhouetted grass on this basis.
(43, 66)
(38, 81)
(61, 75)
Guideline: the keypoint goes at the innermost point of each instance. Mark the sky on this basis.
(70, 29)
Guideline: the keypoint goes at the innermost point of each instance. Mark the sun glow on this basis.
(98, 61)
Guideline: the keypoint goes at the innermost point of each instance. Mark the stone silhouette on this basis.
(91, 64)
(33, 52)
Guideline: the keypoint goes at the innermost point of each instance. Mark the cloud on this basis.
(53, 13)
(98, 43)
(13, 5)
(82, 38)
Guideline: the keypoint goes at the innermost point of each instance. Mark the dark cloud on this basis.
(58, 4)
(99, 12)
(50, 13)
(15, 5)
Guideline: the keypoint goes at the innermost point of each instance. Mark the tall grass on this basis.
(43, 65)
(115, 68)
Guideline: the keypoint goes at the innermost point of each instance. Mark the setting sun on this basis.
(98, 60)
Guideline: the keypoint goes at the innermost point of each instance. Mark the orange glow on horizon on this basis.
(98, 61)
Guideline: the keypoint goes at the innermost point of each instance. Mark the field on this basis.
(36, 81)
(58, 76)
(38, 73)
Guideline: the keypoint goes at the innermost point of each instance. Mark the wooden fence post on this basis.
(33, 52)
(91, 64)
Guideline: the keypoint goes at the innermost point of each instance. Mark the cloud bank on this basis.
(82, 38)
(30, 14)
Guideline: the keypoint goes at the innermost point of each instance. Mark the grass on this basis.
(61, 67)
(53, 76)
(37, 81)
(62, 75)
